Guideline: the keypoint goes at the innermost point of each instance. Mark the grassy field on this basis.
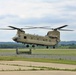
(40, 51)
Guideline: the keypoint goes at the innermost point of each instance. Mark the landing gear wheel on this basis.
(53, 47)
(33, 46)
(47, 47)
(27, 46)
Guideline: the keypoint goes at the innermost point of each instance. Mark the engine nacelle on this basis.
(54, 35)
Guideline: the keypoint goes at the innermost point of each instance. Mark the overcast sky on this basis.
(53, 13)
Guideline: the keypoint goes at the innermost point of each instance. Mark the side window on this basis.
(25, 37)
(31, 37)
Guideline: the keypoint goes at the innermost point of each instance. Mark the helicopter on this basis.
(52, 38)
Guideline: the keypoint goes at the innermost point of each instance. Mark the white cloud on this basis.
(25, 10)
(53, 13)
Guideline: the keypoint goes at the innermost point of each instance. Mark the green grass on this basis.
(7, 50)
(50, 68)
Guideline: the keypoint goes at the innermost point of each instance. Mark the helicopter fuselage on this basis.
(48, 40)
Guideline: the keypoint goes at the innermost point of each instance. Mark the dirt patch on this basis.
(38, 73)
(26, 68)
(39, 64)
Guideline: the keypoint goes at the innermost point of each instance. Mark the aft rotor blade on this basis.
(61, 27)
(45, 27)
(65, 30)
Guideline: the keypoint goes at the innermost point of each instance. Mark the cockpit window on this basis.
(25, 37)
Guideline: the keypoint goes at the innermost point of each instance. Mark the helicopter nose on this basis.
(15, 38)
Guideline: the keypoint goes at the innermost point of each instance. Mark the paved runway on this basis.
(46, 56)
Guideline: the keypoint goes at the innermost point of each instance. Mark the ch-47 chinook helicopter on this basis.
(52, 38)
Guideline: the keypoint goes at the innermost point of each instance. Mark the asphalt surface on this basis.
(46, 56)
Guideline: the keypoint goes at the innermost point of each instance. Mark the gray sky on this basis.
(53, 13)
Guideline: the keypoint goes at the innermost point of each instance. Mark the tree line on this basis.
(20, 45)
(11, 45)
(69, 46)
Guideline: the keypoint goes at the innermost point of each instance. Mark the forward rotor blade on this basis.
(6, 29)
(15, 28)
(21, 28)
(29, 28)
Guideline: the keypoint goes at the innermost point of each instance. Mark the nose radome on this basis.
(15, 38)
